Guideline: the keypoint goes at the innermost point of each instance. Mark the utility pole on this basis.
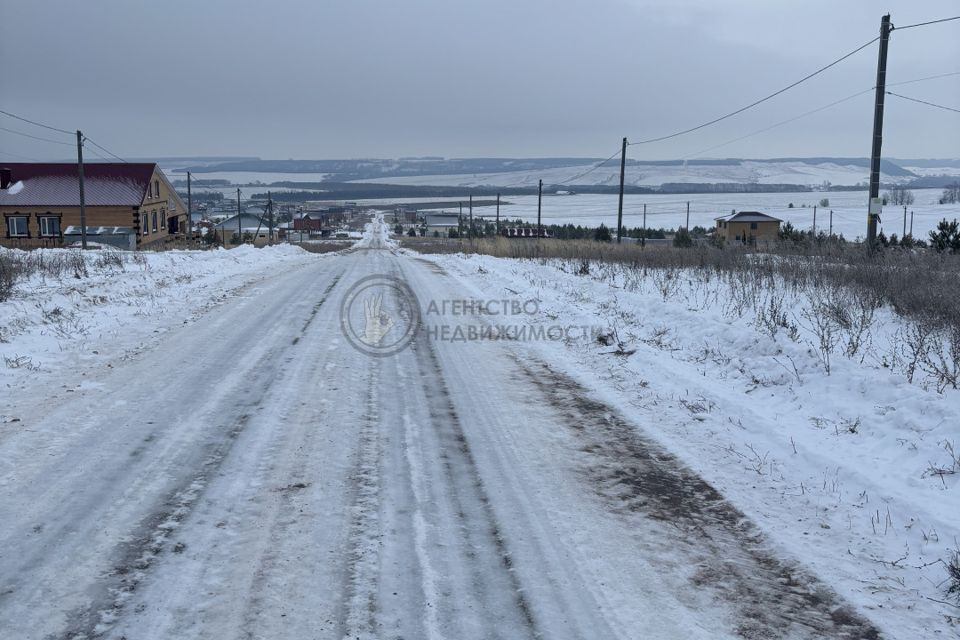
(460, 223)
(189, 207)
(83, 203)
(239, 224)
(688, 216)
(539, 201)
(471, 216)
(911, 223)
(623, 166)
(270, 209)
(498, 214)
(873, 211)
(904, 220)
(814, 221)
(643, 240)
(831, 222)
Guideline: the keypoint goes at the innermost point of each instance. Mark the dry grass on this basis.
(920, 284)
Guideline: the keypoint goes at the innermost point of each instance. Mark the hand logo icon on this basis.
(378, 322)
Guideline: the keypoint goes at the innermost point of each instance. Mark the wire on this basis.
(923, 24)
(14, 155)
(45, 126)
(102, 157)
(27, 135)
(761, 100)
(942, 75)
(107, 151)
(588, 171)
(938, 106)
(787, 121)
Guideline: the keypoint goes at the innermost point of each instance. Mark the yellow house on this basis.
(748, 227)
(127, 204)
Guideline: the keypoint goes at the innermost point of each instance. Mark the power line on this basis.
(588, 171)
(27, 135)
(107, 151)
(761, 100)
(938, 106)
(779, 124)
(942, 75)
(102, 157)
(923, 24)
(45, 126)
(14, 155)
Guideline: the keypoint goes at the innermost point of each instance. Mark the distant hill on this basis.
(595, 173)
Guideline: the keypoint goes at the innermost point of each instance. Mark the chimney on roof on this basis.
(5, 177)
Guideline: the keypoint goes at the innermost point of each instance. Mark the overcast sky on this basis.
(382, 78)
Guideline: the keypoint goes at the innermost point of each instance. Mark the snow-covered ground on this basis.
(837, 468)
(191, 448)
(55, 326)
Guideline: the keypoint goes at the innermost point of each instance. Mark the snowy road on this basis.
(255, 476)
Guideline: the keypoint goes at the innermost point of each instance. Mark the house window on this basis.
(50, 226)
(753, 225)
(163, 219)
(154, 226)
(156, 188)
(144, 225)
(17, 227)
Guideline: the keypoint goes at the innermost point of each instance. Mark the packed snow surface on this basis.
(191, 448)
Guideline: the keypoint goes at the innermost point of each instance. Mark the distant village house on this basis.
(128, 205)
(748, 227)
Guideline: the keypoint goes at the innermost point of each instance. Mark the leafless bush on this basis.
(953, 575)
(772, 317)
(666, 281)
(11, 270)
(821, 320)
(77, 263)
(916, 342)
(942, 360)
(108, 260)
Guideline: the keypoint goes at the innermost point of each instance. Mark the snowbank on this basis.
(855, 472)
(84, 309)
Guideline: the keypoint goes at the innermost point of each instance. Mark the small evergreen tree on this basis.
(602, 234)
(946, 238)
(682, 238)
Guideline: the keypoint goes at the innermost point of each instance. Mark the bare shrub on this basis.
(822, 321)
(108, 260)
(772, 317)
(916, 346)
(953, 575)
(942, 360)
(11, 270)
(77, 263)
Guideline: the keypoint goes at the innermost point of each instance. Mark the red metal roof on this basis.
(57, 184)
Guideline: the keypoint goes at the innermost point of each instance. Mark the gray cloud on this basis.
(361, 78)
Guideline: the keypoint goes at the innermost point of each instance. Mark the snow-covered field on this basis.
(669, 211)
(787, 172)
